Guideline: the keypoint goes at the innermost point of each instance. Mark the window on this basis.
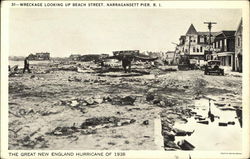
(239, 41)
(193, 49)
(193, 40)
(202, 39)
(198, 50)
(201, 49)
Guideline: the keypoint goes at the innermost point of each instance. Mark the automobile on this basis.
(213, 66)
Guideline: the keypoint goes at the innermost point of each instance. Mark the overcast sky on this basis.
(81, 31)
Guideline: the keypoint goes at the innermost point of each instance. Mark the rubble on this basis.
(185, 145)
(145, 122)
(203, 122)
(168, 136)
(179, 132)
(75, 79)
(109, 103)
(88, 131)
(105, 122)
(231, 123)
(67, 68)
(228, 109)
(171, 144)
(220, 104)
(16, 87)
(222, 124)
(127, 100)
(33, 140)
(64, 131)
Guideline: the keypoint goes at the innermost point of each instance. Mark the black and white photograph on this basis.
(125, 76)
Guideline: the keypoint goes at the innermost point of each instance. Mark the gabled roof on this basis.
(191, 30)
(226, 33)
(239, 29)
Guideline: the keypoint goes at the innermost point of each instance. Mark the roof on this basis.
(226, 33)
(207, 33)
(191, 30)
(239, 29)
(182, 37)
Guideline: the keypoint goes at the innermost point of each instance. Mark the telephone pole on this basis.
(209, 42)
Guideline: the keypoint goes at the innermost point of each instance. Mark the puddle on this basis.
(211, 136)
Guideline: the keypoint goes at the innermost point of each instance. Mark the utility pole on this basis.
(175, 51)
(209, 42)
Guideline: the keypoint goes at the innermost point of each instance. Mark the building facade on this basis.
(195, 44)
(238, 48)
(224, 48)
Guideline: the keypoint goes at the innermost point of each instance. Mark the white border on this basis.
(244, 5)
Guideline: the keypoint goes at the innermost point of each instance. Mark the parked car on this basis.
(213, 66)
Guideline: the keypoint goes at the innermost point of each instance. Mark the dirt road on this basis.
(62, 109)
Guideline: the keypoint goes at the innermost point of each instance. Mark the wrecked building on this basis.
(39, 56)
(92, 57)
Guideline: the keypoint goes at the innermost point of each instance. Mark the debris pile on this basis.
(91, 125)
(106, 122)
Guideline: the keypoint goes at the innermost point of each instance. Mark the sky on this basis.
(68, 31)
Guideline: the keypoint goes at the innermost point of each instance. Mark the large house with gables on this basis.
(194, 43)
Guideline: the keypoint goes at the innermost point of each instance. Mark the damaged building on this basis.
(39, 56)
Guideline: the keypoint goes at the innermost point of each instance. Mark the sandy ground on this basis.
(41, 102)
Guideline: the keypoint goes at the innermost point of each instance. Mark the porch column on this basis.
(232, 62)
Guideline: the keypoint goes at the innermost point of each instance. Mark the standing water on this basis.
(215, 128)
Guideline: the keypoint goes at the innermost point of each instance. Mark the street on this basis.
(84, 107)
